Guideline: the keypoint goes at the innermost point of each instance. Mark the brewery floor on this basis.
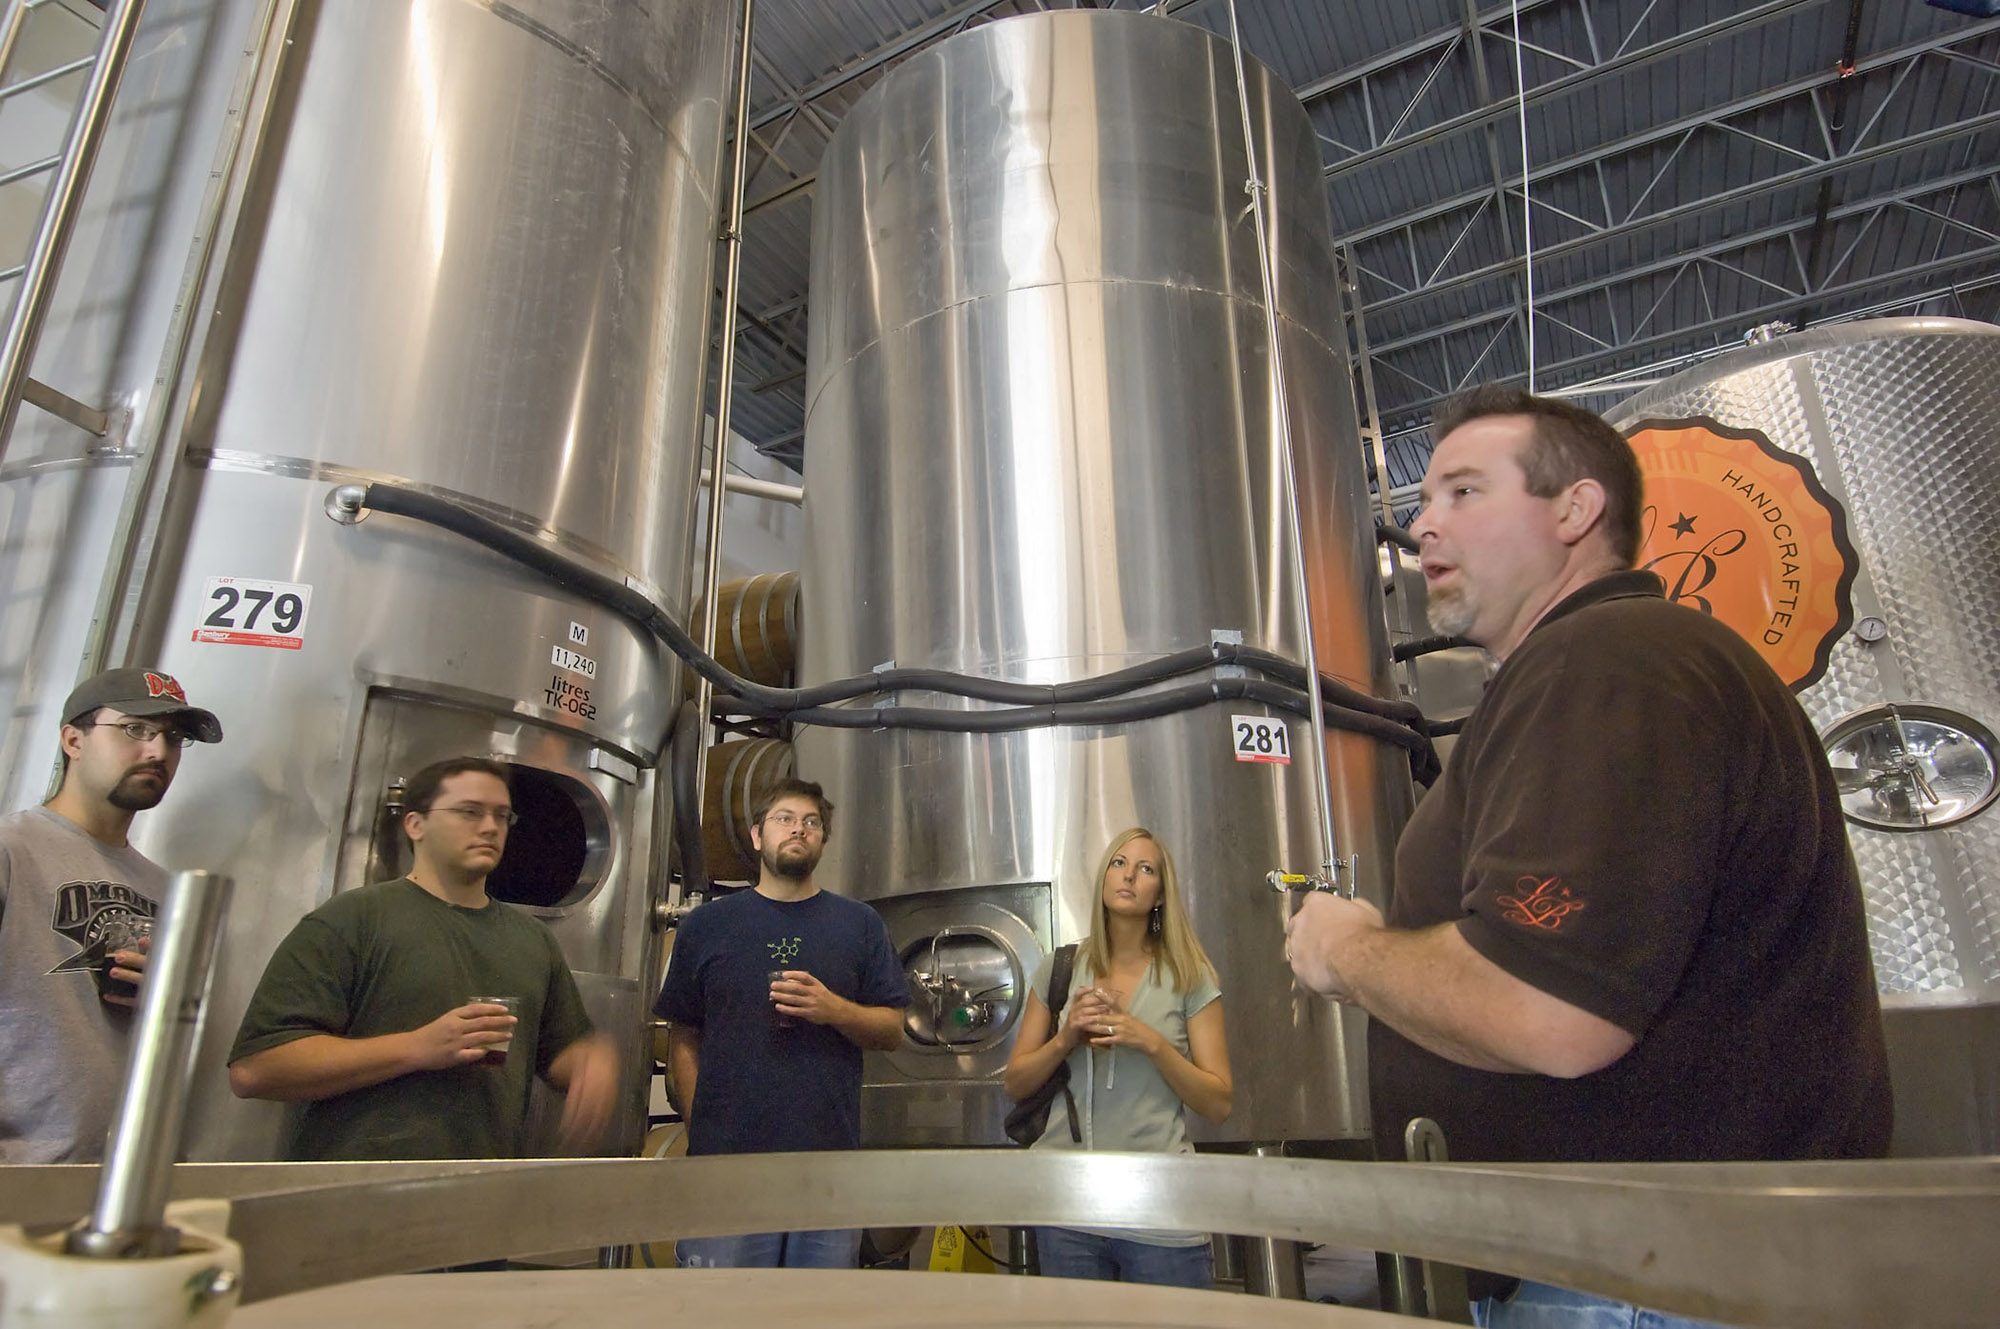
(1343, 1277)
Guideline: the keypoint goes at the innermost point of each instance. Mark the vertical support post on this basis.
(1271, 1267)
(1364, 360)
(63, 202)
(732, 239)
(146, 1131)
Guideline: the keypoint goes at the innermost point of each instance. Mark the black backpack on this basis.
(1030, 1116)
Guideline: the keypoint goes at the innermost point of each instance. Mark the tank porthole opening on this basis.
(965, 989)
(1907, 766)
(558, 851)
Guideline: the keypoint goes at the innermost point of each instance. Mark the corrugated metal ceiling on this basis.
(1681, 153)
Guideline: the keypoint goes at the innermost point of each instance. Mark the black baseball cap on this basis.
(145, 694)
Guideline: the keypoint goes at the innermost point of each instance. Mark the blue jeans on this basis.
(1067, 1253)
(1540, 1306)
(833, 1249)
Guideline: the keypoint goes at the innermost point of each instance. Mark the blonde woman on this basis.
(1141, 1030)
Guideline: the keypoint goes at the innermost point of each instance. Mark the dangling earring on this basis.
(1153, 920)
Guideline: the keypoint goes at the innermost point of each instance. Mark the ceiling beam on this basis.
(1569, 83)
(1680, 258)
(1741, 320)
(1695, 208)
(1654, 135)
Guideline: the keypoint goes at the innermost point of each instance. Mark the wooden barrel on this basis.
(737, 773)
(756, 625)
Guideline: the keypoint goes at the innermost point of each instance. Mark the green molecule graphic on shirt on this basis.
(784, 950)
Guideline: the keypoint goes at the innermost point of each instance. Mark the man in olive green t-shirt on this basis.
(369, 1012)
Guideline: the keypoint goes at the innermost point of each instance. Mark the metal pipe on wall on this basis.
(732, 240)
(1331, 866)
(146, 1134)
(60, 207)
(751, 487)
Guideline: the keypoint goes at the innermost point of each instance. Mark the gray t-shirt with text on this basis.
(62, 1048)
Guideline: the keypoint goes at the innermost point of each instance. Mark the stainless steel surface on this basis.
(126, 1222)
(462, 251)
(1898, 417)
(732, 242)
(825, 1299)
(1332, 866)
(1040, 446)
(60, 205)
(1898, 1244)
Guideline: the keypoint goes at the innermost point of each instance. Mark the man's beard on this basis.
(1450, 613)
(797, 867)
(128, 796)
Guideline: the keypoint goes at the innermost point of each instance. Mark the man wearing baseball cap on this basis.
(75, 904)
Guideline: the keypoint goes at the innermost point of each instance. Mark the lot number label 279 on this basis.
(241, 611)
(1261, 738)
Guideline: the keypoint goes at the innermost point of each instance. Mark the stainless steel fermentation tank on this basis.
(1900, 420)
(1041, 446)
(463, 247)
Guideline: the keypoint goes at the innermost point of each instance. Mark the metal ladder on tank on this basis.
(69, 175)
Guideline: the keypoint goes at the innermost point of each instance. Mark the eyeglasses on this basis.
(787, 820)
(141, 732)
(475, 814)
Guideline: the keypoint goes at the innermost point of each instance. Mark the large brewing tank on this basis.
(1041, 446)
(1900, 421)
(462, 247)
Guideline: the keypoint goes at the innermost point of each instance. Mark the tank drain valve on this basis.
(1340, 881)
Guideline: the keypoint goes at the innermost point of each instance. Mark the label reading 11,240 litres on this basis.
(562, 657)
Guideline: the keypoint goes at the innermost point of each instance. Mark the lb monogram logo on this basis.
(1540, 902)
(1743, 531)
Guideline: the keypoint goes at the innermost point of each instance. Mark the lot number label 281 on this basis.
(1261, 738)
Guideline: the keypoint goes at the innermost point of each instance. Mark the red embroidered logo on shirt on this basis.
(1543, 902)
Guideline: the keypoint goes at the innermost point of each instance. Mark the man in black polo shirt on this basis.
(1625, 923)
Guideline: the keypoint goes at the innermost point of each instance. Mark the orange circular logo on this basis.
(1744, 531)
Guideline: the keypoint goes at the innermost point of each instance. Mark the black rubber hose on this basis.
(1397, 536)
(619, 598)
(683, 756)
(1117, 710)
(1008, 693)
(1292, 673)
(1410, 650)
(1081, 702)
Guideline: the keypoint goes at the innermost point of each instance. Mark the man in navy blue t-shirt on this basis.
(772, 994)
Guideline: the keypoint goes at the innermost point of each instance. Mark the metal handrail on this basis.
(1903, 1244)
(63, 203)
